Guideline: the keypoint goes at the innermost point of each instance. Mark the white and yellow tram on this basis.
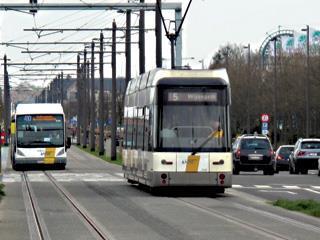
(177, 129)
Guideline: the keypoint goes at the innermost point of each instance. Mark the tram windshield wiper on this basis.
(215, 133)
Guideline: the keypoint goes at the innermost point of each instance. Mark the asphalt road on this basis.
(124, 211)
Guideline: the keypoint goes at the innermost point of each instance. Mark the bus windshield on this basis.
(40, 131)
(193, 120)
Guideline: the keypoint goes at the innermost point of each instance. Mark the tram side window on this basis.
(146, 129)
(140, 128)
(129, 128)
(134, 132)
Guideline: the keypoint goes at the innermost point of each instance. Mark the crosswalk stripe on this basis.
(262, 186)
(311, 190)
(291, 187)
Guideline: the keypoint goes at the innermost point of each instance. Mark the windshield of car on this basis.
(285, 151)
(255, 144)
(310, 145)
(40, 131)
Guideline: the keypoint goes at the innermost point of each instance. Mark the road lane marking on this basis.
(278, 191)
(310, 190)
(236, 186)
(11, 177)
(291, 187)
(119, 174)
(316, 187)
(262, 186)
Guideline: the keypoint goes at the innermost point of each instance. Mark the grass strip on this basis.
(310, 207)
(1, 191)
(118, 161)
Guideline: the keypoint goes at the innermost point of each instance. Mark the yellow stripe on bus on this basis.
(49, 156)
(193, 163)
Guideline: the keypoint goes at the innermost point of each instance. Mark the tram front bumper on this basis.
(220, 179)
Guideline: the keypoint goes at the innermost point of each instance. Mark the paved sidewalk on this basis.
(4, 160)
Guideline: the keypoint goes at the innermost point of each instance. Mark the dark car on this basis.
(305, 156)
(252, 153)
(282, 157)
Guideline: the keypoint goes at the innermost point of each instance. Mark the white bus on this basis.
(177, 129)
(38, 135)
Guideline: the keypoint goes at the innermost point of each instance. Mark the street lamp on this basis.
(248, 85)
(307, 85)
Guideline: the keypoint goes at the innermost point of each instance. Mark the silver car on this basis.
(304, 156)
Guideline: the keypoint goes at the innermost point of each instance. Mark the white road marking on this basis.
(11, 177)
(64, 177)
(291, 187)
(37, 177)
(316, 187)
(310, 190)
(236, 186)
(119, 174)
(262, 186)
(278, 191)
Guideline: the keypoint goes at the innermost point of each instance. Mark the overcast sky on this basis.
(209, 25)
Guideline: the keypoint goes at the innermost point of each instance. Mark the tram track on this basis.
(234, 220)
(36, 223)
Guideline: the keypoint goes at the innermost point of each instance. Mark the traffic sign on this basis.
(265, 117)
(264, 125)
(265, 131)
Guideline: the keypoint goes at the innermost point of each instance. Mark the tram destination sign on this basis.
(192, 97)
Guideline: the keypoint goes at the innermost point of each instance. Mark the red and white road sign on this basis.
(265, 117)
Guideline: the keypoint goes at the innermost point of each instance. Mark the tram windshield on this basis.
(40, 131)
(193, 120)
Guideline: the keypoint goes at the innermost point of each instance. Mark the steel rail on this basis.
(226, 217)
(39, 228)
(97, 227)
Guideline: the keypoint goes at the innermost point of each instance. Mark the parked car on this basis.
(252, 153)
(319, 167)
(282, 157)
(305, 156)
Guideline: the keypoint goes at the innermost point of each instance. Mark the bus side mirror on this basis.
(68, 143)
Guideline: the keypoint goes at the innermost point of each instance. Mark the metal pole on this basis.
(101, 100)
(308, 86)
(114, 92)
(128, 47)
(178, 40)
(62, 87)
(93, 105)
(275, 117)
(7, 102)
(78, 101)
(248, 84)
(172, 38)
(84, 96)
(142, 41)
(158, 32)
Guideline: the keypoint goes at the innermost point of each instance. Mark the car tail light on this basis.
(279, 157)
(301, 153)
(238, 153)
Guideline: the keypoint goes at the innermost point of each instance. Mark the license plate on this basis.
(312, 154)
(255, 157)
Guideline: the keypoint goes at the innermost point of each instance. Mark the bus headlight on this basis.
(61, 152)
